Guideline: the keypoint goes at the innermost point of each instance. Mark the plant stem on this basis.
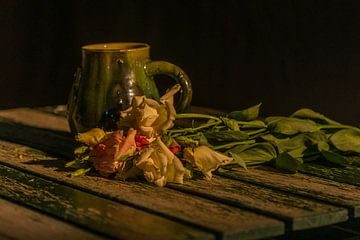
(186, 130)
(196, 115)
(232, 144)
(255, 124)
(256, 131)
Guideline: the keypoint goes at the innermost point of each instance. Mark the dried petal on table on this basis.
(206, 159)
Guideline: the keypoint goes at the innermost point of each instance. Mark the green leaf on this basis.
(303, 140)
(292, 126)
(297, 152)
(306, 113)
(254, 153)
(81, 150)
(79, 162)
(71, 163)
(274, 119)
(253, 124)
(248, 114)
(335, 158)
(296, 145)
(231, 124)
(238, 160)
(287, 162)
(80, 172)
(226, 136)
(323, 146)
(273, 140)
(346, 140)
(203, 141)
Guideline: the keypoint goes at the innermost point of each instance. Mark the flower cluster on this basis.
(139, 147)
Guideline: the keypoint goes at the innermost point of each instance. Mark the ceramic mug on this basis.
(111, 74)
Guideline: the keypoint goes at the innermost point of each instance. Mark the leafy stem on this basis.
(232, 144)
(196, 115)
(187, 130)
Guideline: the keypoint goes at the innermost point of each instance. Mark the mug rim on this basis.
(116, 47)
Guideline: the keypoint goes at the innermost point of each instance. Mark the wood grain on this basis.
(279, 198)
(332, 192)
(225, 221)
(37, 118)
(298, 212)
(349, 174)
(49, 141)
(107, 217)
(18, 222)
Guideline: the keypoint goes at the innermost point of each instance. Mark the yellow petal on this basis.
(147, 115)
(174, 169)
(160, 165)
(188, 154)
(91, 137)
(208, 160)
(169, 95)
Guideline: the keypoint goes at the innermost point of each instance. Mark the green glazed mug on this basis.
(111, 74)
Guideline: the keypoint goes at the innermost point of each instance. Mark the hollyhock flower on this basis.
(205, 159)
(149, 116)
(110, 152)
(159, 164)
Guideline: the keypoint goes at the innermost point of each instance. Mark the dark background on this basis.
(286, 54)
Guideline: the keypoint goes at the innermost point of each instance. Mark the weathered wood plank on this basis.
(38, 119)
(227, 222)
(349, 174)
(18, 222)
(324, 233)
(298, 212)
(46, 140)
(332, 192)
(107, 217)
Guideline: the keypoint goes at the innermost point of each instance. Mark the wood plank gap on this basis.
(229, 221)
(298, 212)
(90, 211)
(106, 196)
(327, 191)
(20, 222)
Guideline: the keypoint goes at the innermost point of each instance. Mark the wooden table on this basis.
(38, 199)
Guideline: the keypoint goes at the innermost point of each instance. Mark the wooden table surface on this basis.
(38, 199)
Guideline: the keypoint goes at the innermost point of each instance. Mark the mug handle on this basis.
(165, 68)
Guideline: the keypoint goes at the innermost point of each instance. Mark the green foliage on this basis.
(306, 113)
(336, 158)
(231, 124)
(346, 140)
(226, 136)
(291, 126)
(288, 142)
(287, 162)
(253, 154)
(80, 172)
(248, 114)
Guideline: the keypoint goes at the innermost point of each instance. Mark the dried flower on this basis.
(149, 116)
(160, 165)
(205, 159)
(110, 152)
